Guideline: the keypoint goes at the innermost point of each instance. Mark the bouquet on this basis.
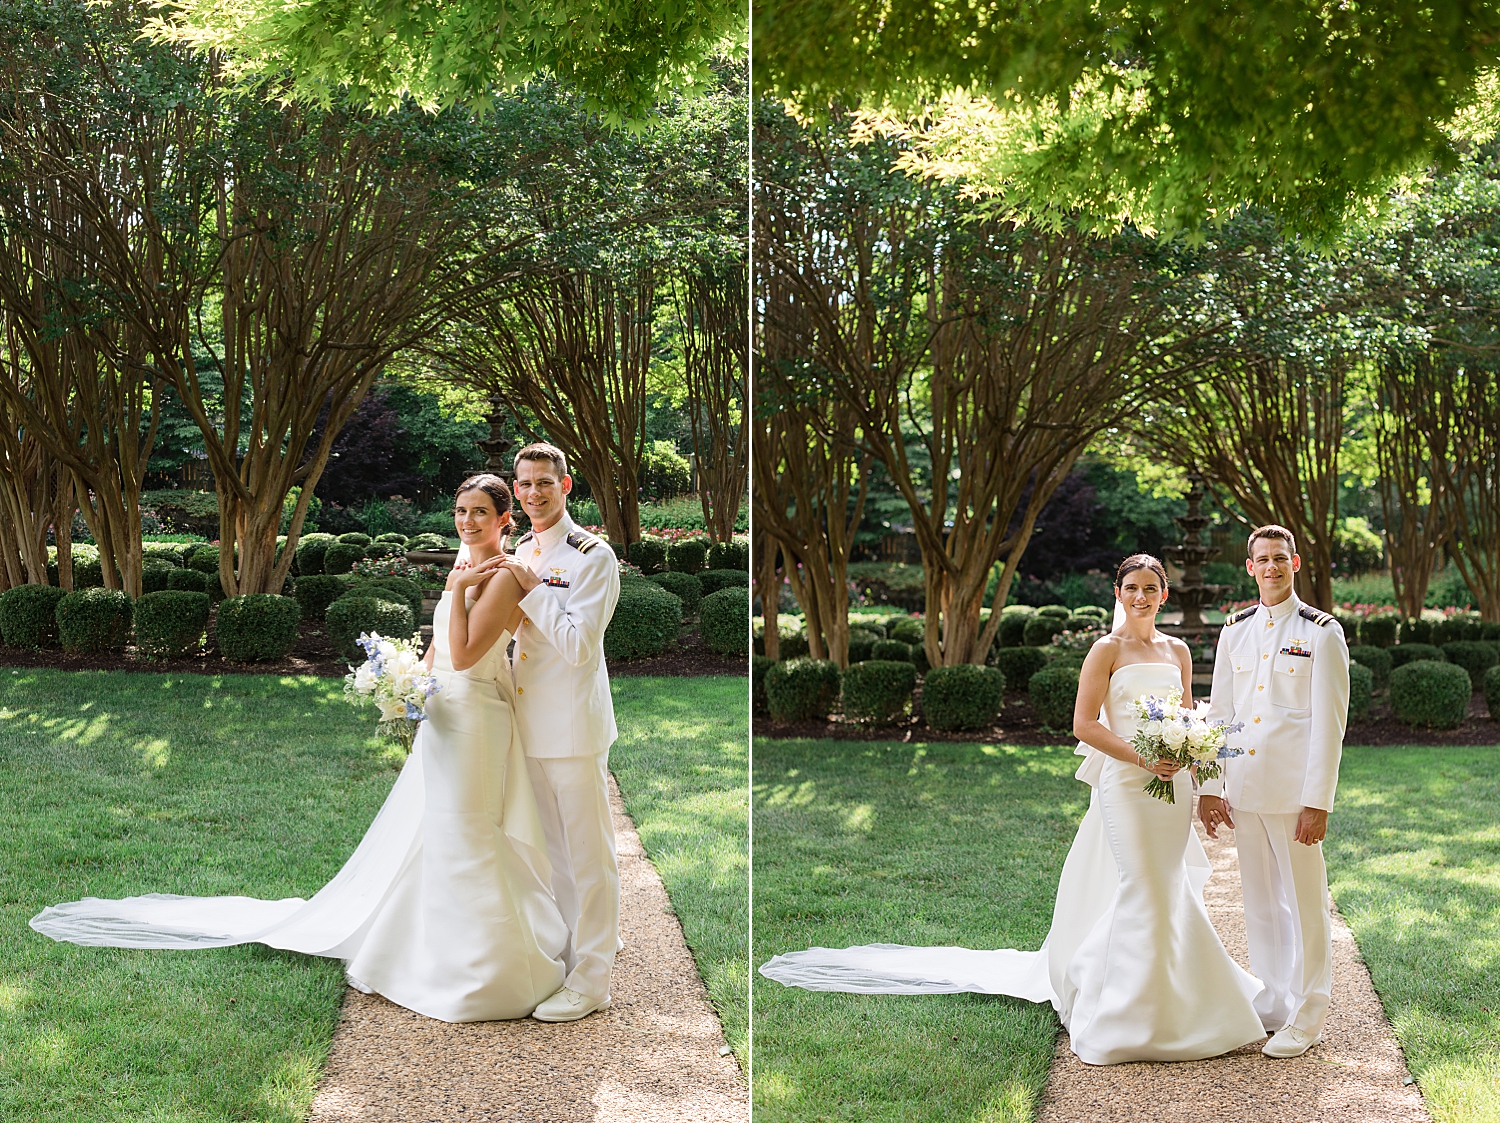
(1168, 731)
(393, 678)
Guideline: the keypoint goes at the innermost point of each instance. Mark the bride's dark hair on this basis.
(492, 485)
(1140, 561)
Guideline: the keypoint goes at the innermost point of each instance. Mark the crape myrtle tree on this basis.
(999, 350)
(36, 489)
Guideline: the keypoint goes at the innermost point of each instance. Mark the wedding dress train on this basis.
(444, 907)
(1132, 964)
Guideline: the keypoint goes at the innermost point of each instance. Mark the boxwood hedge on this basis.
(94, 620)
(1492, 692)
(256, 627)
(1054, 692)
(1474, 656)
(1430, 694)
(310, 551)
(315, 592)
(192, 581)
(28, 615)
(684, 586)
(910, 630)
(169, 624)
(649, 555)
(759, 666)
(729, 555)
(891, 650)
(962, 697)
(349, 616)
(1377, 659)
(1042, 628)
(1379, 631)
(1404, 653)
(340, 556)
(802, 689)
(646, 619)
(724, 621)
(862, 645)
(354, 538)
(713, 580)
(878, 690)
(690, 555)
(1361, 686)
(1018, 664)
(1012, 629)
(1416, 630)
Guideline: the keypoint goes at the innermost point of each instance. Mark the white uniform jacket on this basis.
(1284, 672)
(563, 705)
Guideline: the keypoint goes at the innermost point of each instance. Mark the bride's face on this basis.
(476, 519)
(1141, 592)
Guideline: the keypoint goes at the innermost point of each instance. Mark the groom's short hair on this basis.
(1270, 530)
(543, 451)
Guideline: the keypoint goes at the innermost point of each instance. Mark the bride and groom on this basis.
(1131, 963)
(487, 886)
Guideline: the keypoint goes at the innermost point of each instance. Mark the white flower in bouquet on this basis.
(1151, 729)
(1174, 734)
(1168, 731)
(393, 679)
(364, 680)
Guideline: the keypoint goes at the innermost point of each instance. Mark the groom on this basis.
(1282, 668)
(570, 582)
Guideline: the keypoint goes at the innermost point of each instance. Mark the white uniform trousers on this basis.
(1287, 925)
(572, 793)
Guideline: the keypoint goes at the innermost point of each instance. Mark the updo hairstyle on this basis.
(492, 485)
(1140, 561)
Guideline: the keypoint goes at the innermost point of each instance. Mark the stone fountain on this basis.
(1190, 593)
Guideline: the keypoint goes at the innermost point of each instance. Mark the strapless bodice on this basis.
(488, 667)
(1131, 681)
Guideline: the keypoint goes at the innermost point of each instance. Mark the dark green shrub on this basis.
(1490, 633)
(341, 556)
(794, 644)
(650, 554)
(354, 538)
(690, 555)
(862, 645)
(713, 580)
(910, 630)
(1404, 653)
(1012, 629)
(403, 589)
(684, 586)
(154, 574)
(891, 650)
(878, 690)
(347, 617)
(94, 620)
(1430, 694)
(170, 624)
(191, 581)
(1054, 692)
(1379, 631)
(28, 615)
(1103, 615)
(1081, 623)
(384, 550)
(646, 619)
(919, 657)
(169, 552)
(88, 573)
(1474, 657)
(391, 536)
(962, 697)
(310, 551)
(428, 541)
(759, 666)
(1061, 611)
(1492, 692)
(724, 621)
(869, 622)
(1377, 659)
(1018, 664)
(802, 689)
(1416, 630)
(316, 592)
(1361, 686)
(205, 559)
(1042, 628)
(729, 555)
(256, 627)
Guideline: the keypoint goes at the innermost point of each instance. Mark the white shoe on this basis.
(568, 1006)
(1290, 1042)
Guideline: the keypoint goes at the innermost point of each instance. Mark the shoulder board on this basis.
(583, 543)
(527, 537)
(1321, 619)
(1242, 614)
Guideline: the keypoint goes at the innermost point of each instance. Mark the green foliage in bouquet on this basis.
(684, 586)
(802, 689)
(713, 580)
(349, 616)
(256, 627)
(1404, 653)
(28, 615)
(1054, 692)
(94, 620)
(646, 619)
(315, 592)
(1377, 659)
(1361, 686)
(963, 697)
(878, 690)
(170, 624)
(1430, 694)
(724, 621)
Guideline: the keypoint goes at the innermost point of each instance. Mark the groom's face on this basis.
(1273, 565)
(542, 491)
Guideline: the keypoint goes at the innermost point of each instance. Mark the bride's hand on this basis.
(475, 574)
(1166, 769)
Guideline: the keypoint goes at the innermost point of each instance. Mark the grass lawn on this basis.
(918, 844)
(113, 784)
(681, 762)
(1414, 864)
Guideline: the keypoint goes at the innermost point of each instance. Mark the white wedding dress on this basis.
(445, 906)
(1131, 964)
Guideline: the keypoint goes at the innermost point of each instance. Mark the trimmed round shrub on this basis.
(169, 552)
(1490, 633)
(869, 623)
(688, 556)
(1377, 659)
(878, 690)
(891, 650)
(724, 621)
(384, 550)
(341, 556)
(170, 624)
(684, 586)
(354, 538)
(391, 536)
(28, 615)
(1082, 623)
(1430, 694)
(191, 581)
(649, 554)
(400, 590)
(256, 627)
(1416, 630)
(1018, 664)
(794, 644)
(94, 620)
(310, 551)
(1379, 631)
(1012, 629)
(347, 617)
(205, 559)
(713, 580)
(1492, 692)
(862, 644)
(88, 573)
(1404, 653)
(1473, 656)
(962, 697)
(1054, 692)
(730, 555)
(1061, 611)
(1361, 686)
(427, 541)
(315, 592)
(154, 574)
(1042, 628)
(910, 630)
(919, 657)
(646, 619)
(801, 689)
(1094, 610)
(759, 666)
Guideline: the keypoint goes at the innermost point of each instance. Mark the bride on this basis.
(445, 906)
(1132, 964)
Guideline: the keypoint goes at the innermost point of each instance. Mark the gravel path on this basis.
(1355, 1076)
(652, 1057)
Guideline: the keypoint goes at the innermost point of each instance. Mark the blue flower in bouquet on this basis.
(393, 678)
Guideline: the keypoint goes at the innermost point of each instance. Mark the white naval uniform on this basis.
(1283, 671)
(567, 722)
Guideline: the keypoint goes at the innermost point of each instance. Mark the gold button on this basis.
(1261, 687)
(521, 691)
(526, 619)
(1252, 751)
(1265, 656)
(536, 553)
(523, 655)
(1257, 721)
(1270, 623)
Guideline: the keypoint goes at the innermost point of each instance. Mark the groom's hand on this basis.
(521, 572)
(1215, 814)
(1312, 826)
